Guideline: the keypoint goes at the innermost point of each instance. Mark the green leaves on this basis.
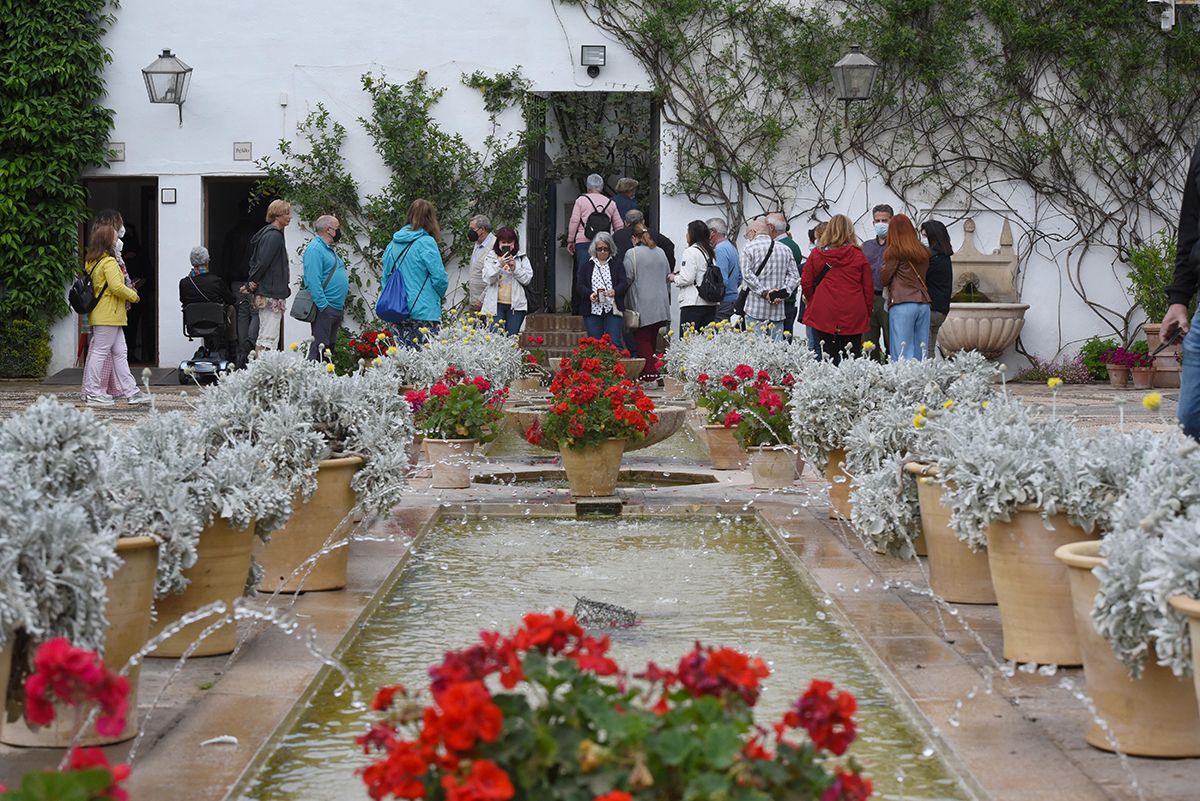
(80, 785)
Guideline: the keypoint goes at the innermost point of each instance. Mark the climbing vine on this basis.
(52, 128)
(423, 160)
(1074, 118)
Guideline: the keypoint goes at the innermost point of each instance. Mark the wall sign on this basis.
(167, 196)
(116, 151)
(242, 151)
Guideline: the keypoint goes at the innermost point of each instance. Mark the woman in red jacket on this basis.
(839, 290)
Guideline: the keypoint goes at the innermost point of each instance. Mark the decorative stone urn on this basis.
(990, 328)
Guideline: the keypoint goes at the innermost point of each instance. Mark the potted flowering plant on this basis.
(593, 411)
(717, 399)
(533, 367)
(576, 727)
(455, 414)
(1141, 366)
(1115, 361)
(759, 421)
(469, 342)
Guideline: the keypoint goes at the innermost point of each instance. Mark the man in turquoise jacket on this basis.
(327, 280)
(414, 251)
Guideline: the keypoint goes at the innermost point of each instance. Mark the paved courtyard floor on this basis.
(1023, 741)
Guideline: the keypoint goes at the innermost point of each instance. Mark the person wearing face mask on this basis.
(269, 278)
(877, 328)
(480, 233)
(106, 374)
(328, 281)
(506, 273)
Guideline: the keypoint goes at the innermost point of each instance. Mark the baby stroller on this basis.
(207, 322)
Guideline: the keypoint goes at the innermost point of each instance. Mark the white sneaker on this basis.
(98, 400)
(140, 397)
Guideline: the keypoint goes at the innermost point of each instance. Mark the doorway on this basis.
(136, 198)
(614, 134)
(233, 213)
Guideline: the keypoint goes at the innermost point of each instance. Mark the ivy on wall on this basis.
(1074, 118)
(423, 160)
(52, 128)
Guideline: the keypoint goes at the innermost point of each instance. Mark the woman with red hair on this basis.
(905, 265)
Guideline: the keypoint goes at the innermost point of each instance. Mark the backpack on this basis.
(393, 305)
(597, 221)
(80, 295)
(712, 286)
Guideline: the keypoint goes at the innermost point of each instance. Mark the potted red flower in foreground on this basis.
(543, 712)
(454, 414)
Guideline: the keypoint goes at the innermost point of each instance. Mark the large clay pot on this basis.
(317, 524)
(451, 461)
(957, 574)
(5, 670)
(592, 470)
(1166, 364)
(723, 448)
(989, 328)
(1153, 716)
(839, 485)
(222, 565)
(1191, 607)
(1118, 375)
(130, 597)
(772, 467)
(1143, 377)
(1036, 615)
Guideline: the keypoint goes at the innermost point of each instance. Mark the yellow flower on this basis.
(921, 410)
(1054, 383)
(1152, 401)
(377, 361)
(487, 337)
(868, 346)
(382, 336)
(294, 346)
(391, 351)
(984, 404)
(329, 368)
(918, 420)
(948, 404)
(423, 329)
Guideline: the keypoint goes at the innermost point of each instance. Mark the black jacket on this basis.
(583, 284)
(1187, 252)
(205, 288)
(269, 263)
(939, 280)
(623, 239)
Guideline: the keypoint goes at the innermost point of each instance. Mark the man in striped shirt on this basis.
(769, 273)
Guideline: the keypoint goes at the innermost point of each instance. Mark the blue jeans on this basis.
(768, 328)
(597, 325)
(512, 320)
(908, 331)
(1189, 381)
(814, 341)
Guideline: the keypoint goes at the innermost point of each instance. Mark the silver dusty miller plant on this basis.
(1151, 553)
(717, 351)
(167, 482)
(885, 512)
(468, 343)
(56, 545)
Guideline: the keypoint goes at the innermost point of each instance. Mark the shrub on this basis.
(1093, 356)
(24, 348)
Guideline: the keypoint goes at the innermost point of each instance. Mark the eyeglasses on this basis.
(602, 249)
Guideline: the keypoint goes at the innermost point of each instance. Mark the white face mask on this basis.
(121, 233)
(120, 246)
(881, 229)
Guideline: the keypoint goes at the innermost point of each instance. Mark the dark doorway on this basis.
(137, 200)
(614, 134)
(233, 212)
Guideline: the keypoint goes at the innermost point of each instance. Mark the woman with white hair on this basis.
(594, 212)
(201, 286)
(600, 286)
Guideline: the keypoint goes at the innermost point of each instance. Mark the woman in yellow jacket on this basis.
(106, 374)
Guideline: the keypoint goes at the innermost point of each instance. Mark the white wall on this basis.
(259, 68)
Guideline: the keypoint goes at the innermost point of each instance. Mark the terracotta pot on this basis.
(451, 460)
(1143, 377)
(130, 597)
(1118, 375)
(955, 573)
(317, 524)
(772, 467)
(1153, 716)
(1166, 364)
(5, 671)
(416, 450)
(839, 485)
(723, 448)
(222, 564)
(1036, 615)
(592, 471)
(1191, 607)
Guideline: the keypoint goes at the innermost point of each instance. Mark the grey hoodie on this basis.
(269, 263)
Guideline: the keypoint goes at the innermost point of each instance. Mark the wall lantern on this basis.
(593, 57)
(167, 81)
(854, 76)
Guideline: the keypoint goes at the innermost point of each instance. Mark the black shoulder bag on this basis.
(739, 305)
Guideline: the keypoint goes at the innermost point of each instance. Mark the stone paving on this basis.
(1022, 742)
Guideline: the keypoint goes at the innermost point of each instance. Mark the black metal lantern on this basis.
(167, 81)
(854, 75)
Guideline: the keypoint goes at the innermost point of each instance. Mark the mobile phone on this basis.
(778, 294)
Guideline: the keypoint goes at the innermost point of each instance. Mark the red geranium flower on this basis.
(733, 418)
(439, 389)
(92, 758)
(828, 720)
(744, 371)
(729, 382)
(848, 787)
(615, 795)
(702, 378)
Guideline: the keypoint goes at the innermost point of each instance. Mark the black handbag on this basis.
(739, 305)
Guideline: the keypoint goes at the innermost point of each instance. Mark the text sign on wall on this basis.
(242, 151)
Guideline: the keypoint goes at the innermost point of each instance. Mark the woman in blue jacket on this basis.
(414, 251)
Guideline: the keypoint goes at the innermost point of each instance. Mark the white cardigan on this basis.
(691, 272)
(493, 276)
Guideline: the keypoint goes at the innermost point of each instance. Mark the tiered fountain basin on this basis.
(670, 420)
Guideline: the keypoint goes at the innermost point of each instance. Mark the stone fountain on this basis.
(992, 327)
(670, 419)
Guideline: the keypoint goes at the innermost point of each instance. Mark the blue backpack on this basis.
(392, 306)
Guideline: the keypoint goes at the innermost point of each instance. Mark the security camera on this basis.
(1163, 11)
